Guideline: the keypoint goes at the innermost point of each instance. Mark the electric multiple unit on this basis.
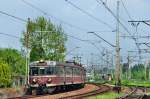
(47, 76)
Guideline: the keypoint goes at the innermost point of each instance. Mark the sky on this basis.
(62, 10)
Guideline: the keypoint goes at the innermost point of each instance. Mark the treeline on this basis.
(138, 71)
(12, 63)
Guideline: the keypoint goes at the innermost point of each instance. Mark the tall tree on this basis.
(46, 40)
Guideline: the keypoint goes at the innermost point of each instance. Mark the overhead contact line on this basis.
(90, 15)
(52, 16)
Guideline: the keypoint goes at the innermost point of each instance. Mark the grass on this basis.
(109, 95)
(136, 83)
(132, 82)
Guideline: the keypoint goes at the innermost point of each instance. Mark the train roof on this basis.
(54, 63)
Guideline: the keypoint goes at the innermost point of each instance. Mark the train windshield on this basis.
(42, 71)
(34, 71)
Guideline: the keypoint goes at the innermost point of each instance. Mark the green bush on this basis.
(5, 74)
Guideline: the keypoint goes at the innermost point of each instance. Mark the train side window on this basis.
(50, 70)
(68, 70)
(80, 73)
(76, 71)
(59, 70)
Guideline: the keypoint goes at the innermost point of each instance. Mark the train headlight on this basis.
(49, 80)
(34, 80)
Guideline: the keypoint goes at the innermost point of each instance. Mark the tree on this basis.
(125, 70)
(35, 55)
(46, 40)
(14, 59)
(147, 72)
(138, 72)
(5, 74)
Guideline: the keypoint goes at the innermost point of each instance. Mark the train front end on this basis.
(40, 77)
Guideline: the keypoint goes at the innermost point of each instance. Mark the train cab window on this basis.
(41, 70)
(34, 71)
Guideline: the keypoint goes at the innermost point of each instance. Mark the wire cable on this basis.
(52, 16)
(126, 10)
(86, 41)
(17, 18)
(124, 27)
(90, 15)
(9, 35)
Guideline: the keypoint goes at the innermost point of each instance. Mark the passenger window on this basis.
(59, 70)
(68, 70)
(50, 70)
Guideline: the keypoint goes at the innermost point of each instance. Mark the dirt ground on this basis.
(11, 92)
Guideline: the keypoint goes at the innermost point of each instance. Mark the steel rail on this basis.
(102, 89)
(131, 94)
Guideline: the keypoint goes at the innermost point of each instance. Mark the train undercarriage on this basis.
(51, 90)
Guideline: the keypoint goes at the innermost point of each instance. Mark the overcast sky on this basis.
(138, 10)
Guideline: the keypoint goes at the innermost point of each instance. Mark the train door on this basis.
(64, 75)
(72, 75)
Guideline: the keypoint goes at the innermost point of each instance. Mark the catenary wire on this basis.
(126, 10)
(124, 27)
(17, 18)
(52, 16)
(90, 15)
(9, 35)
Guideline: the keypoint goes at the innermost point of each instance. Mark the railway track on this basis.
(101, 89)
(133, 94)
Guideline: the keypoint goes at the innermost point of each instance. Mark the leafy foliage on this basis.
(138, 72)
(14, 59)
(5, 74)
(147, 72)
(46, 40)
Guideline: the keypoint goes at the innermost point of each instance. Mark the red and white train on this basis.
(47, 76)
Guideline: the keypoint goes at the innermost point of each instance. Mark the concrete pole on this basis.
(118, 66)
(27, 53)
(129, 68)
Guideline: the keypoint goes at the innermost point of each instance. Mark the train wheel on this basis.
(82, 85)
(34, 92)
(64, 88)
(41, 90)
(51, 90)
(28, 91)
(45, 91)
